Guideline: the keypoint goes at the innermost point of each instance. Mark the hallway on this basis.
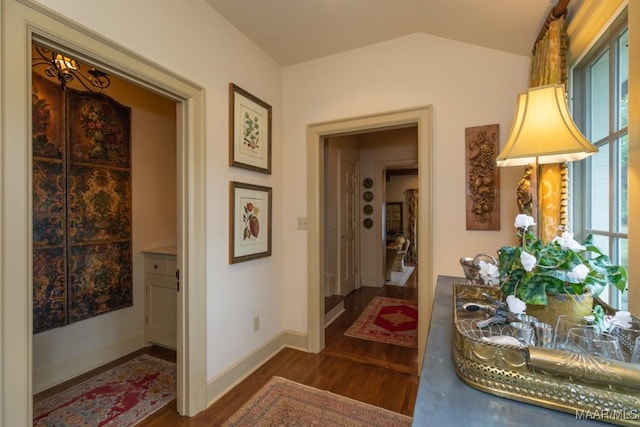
(401, 359)
(383, 375)
(380, 374)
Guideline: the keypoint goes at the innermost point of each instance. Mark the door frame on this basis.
(422, 118)
(20, 21)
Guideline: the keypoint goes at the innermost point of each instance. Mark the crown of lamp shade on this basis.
(543, 131)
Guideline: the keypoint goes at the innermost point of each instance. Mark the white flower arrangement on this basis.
(561, 266)
(516, 305)
(489, 273)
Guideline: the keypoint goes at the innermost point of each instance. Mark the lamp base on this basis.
(527, 191)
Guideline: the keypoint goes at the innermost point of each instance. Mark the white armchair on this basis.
(398, 264)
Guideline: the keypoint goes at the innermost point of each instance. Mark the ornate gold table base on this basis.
(590, 387)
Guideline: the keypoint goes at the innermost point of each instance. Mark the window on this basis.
(600, 183)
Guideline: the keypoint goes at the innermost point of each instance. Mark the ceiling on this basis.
(294, 31)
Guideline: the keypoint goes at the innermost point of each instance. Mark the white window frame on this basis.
(581, 190)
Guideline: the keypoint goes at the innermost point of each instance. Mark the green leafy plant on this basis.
(561, 266)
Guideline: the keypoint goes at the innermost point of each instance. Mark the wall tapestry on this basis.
(82, 263)
(483, 180)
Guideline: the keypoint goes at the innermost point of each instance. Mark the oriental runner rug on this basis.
(389, 321)
(121, 396)
(282, 402)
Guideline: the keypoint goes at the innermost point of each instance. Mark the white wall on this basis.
(61, 353)
(467, 86)
(192, 40)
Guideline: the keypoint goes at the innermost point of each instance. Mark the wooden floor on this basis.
(383, 375)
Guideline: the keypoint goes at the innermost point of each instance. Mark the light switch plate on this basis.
(302, 223)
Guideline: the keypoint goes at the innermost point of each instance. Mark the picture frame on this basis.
(250, 222)
(393, 217)
(249, 131)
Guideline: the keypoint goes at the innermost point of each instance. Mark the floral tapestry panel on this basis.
(99, 130)
(47, 113)
(49, 288)
(100, 279)
(49, 200)
(99, 204)
(82, 262)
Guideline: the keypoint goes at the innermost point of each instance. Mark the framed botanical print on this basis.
(250, 222)
(249, 131)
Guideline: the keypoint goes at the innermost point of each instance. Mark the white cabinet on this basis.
(161, 287)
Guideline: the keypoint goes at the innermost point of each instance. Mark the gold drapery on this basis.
(412, 210)
(549, 66)
(549, 61)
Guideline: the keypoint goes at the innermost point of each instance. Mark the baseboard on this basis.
(62, 372)
(333, 314)
(372, 281)
(225, 381)
(216, 387)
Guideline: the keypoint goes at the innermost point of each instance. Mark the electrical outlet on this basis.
(256, 324)
(302, 223)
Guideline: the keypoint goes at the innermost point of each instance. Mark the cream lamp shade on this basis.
(543, 131)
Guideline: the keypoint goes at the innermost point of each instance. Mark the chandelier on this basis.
(66, 69)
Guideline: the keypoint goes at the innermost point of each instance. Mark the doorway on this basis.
(119, 139)
(401, 208)
(358, 187)
(420, 117)
(22, 23)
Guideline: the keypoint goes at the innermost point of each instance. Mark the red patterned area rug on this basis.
(388, 320)
(282, 402)
(121, 396)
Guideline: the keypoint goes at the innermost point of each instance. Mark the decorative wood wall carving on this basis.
(482, 177)
(82, 264)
